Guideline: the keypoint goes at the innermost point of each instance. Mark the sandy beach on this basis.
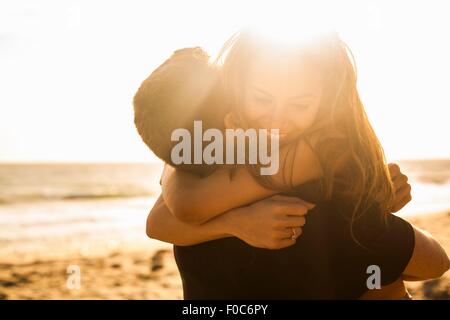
(151, 273)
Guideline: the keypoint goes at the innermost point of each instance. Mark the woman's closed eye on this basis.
(300, 106)
(263, 100)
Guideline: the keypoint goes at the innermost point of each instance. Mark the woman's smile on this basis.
(287, 100)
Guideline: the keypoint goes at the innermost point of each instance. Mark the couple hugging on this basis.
(322, 226)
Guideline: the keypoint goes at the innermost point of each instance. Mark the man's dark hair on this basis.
(184, 88)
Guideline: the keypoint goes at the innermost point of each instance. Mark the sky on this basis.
(69, 69)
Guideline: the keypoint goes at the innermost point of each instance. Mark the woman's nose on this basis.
(277, 119)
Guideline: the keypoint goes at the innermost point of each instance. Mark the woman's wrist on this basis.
(226, 223)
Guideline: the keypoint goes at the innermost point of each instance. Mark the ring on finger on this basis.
(294, 234)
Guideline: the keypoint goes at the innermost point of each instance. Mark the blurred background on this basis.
(77, 183)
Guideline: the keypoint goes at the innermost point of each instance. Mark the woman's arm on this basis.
(429, 259)
(196, 200)
(265, 224)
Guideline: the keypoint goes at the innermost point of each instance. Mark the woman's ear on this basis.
(229, 122)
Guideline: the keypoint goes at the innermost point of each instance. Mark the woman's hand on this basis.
(401, 187)
(272, 223)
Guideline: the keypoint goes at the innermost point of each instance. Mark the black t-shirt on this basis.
(324, 263)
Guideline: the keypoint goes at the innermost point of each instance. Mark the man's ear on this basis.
(229, 122)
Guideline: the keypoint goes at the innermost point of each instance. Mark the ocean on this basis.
(55, 210)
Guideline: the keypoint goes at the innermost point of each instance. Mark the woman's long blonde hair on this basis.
(341, 130)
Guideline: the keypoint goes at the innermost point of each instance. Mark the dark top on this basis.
(324, 263)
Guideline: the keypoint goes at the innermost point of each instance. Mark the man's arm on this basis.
(268, 223)
(429, 259)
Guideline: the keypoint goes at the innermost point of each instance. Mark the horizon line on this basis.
(157, 161)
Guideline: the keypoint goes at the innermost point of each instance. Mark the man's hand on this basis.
(272, 223)
(401, 187)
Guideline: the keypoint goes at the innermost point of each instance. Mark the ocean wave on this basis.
(49, 182)
(433, 179)
(105, 196)
(9, 199)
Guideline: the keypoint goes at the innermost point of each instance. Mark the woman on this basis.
(330, 156)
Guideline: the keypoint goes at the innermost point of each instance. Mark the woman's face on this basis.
(282, 96)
